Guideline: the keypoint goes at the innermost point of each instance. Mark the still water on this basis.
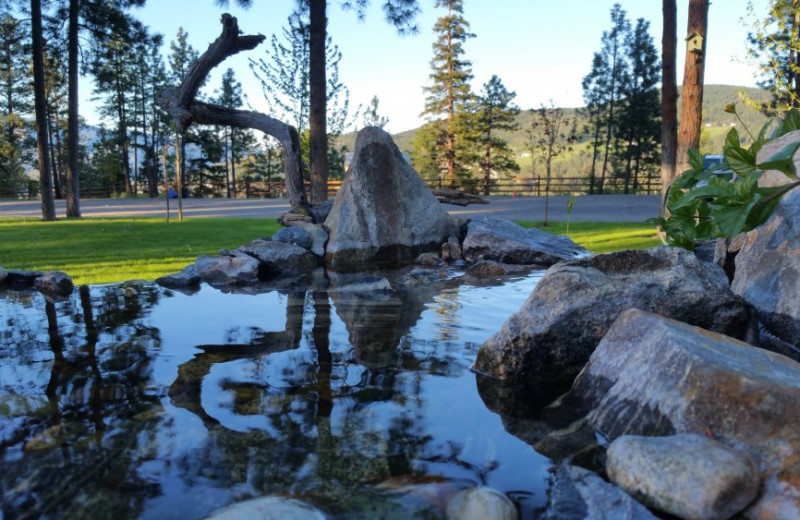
(134, 401)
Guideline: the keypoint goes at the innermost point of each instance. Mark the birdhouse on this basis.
(694, 43)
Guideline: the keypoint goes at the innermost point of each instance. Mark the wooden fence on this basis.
(518, 186)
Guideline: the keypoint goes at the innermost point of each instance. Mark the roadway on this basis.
(587, 208)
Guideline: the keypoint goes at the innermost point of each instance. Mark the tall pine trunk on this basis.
(318, 142)
(669, 96)
(692, 94)
(73, 183)
(610, 124)
(233, 165)
(40, 107)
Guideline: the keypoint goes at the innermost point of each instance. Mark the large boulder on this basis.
(654, 376)
(481, 503)
(767, 272)
(504, 241)
(268, 508)
(383, 214)
(576, 302)
(54, 284)
(687, 476)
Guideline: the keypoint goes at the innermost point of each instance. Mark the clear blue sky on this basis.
(541, 49)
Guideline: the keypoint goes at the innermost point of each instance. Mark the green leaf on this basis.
(791, 121)
(732, 139)
(783, 161)
(695, 160)
(731, 219)
(741, 161)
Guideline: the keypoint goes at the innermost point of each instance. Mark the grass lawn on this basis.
(106, 250)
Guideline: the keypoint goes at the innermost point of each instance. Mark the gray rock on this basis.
(429, 259)
(54, 283)
(481, 503)
(186, 279)
(654, 376)
(767, 272)
(504, 241)
(268, 508)
(451, 250)
(293, 235)
(578, 494)
(22, 279)
(239, 269)
(356, 283)
(487, 269)
(319, 237)
(688, 476)
(383, 214)
(576, 302)
(278, 257)
(774, 177)
(293, 219)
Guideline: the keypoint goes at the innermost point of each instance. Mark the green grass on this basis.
(106, 250)
(604, 237)
(94, 250)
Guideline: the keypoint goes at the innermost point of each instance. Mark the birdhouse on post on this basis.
(694, 43)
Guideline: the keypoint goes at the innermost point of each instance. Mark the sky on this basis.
(540, 49)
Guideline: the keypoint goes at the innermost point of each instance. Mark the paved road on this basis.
(587, 208)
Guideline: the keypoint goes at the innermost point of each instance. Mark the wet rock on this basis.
(383, 214)
(487, 269)
(428, 260)
(767, 272)
(504, 241)
(54, 283)
(343, 283)
(186, 279)
(293, 235)
(22, 279)
(654, 376)
(268, 508)
(576, 302)
(451, 250)
(3, 275)
(422, 277)
(481, 503)
(239, 269)
(688, 476)
(578, 494)
(278, 257)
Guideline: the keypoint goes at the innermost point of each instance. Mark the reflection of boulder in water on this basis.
(377, 321)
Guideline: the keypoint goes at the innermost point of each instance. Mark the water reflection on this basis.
(132, 401)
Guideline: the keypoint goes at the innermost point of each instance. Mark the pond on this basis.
(135, 401)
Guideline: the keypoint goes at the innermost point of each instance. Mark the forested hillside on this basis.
(576, 162)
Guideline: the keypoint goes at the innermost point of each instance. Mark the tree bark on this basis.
(669, 96)
(692, 94)
(73, 184)
(318, 140)
(181, 105)
(40, 107)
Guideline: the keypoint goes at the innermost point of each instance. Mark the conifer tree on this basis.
(496, 111)
(449, 92)
(236, 140)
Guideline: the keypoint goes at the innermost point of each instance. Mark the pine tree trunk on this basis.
(669, 96)
(692, 94)
(40, 106)
(51, 131)
(233, 165)
(318, 85)
(73, 130)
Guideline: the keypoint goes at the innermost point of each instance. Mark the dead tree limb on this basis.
(180, 104)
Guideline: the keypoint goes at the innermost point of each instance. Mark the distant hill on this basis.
(716, 122)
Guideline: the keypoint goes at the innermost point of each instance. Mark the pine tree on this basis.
(495, 112)
(449, 92)
(371, 116)
(775, 45)
(236, 139)
(669, 96)
(182, 57)
(692, 94)
(40, 108)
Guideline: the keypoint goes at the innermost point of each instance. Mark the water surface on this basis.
(134, 401)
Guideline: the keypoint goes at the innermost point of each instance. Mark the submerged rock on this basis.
(654, 376)
(384, 214)
(451, 250)
(481, 503)
(578, 494)
(504, 241)
(688, 476)
(576, 302)
(268, 508)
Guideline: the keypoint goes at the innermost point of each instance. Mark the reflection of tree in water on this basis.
(73, 414)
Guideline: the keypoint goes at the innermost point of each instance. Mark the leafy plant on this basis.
(725, 200)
